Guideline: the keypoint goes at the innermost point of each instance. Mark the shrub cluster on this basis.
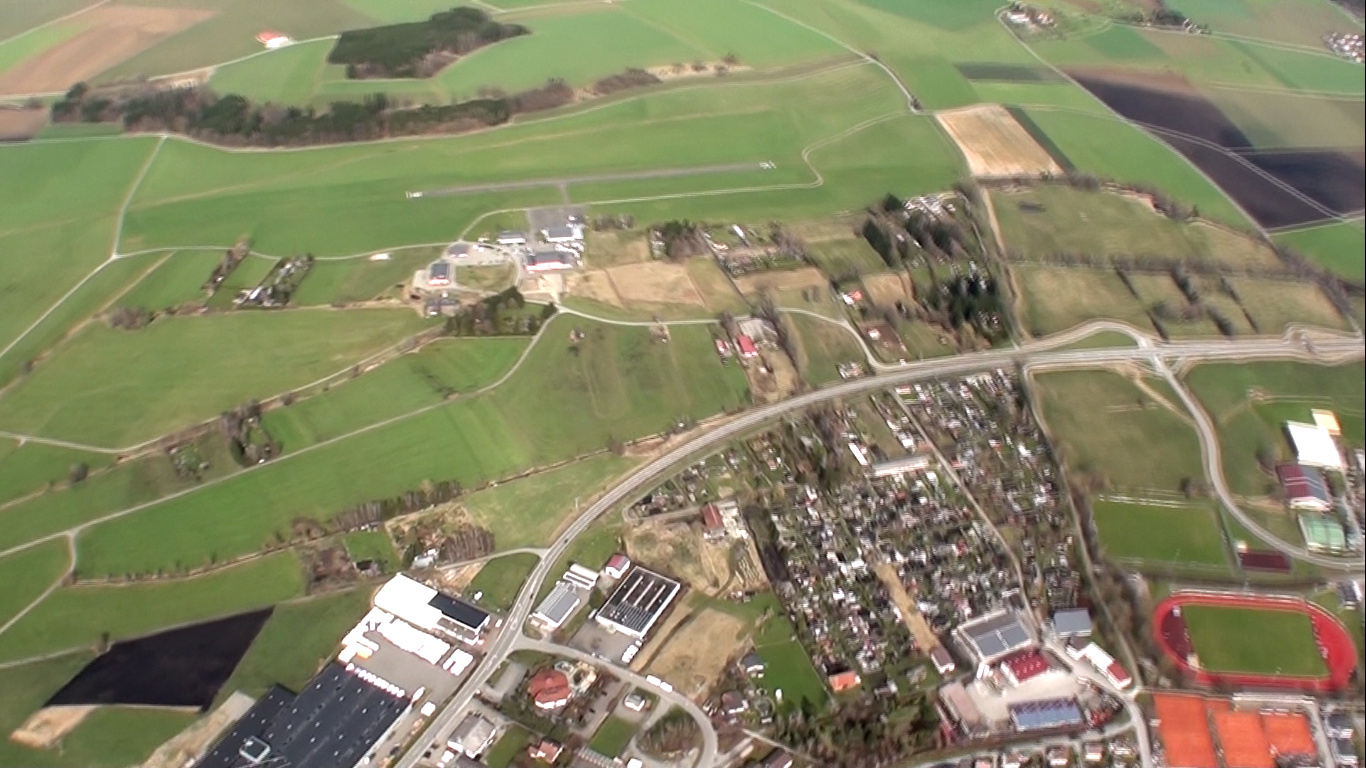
(419, 48)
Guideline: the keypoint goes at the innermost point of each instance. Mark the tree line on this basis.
(235, 120)
(418, 48)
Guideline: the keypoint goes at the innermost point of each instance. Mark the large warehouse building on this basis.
(638, 602)
(994, 636)
(430, 610)
(332, 723)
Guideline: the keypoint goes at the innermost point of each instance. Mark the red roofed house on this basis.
(616, 566)
(547, 751)
(843, 681)
(1118, 675)
(746, 345)
(549, 689)
(1025, 665)
(1304, 488)
(712, 523)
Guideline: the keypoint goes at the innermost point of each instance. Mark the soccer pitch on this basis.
(1253, 641)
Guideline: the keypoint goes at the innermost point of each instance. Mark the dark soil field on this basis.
(1006, 73)
(1268, 204)
(182, 667)
(1173, 110)
(1334, 179)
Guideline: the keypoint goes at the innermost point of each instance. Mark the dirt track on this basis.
(111, 34)
(21, 123)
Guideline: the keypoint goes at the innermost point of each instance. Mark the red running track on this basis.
(1334, 641)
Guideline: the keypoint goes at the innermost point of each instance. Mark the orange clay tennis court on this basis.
(1289, 734)
(1185, 731)
(1244, 743)
(1196, 731)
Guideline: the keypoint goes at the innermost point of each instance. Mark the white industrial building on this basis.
(1314, 446)
(581, 575)
(430, 610)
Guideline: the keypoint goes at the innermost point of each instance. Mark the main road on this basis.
(1291, 346)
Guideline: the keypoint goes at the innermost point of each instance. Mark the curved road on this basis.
(1283, 348)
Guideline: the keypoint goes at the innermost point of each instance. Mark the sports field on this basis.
(1161, 533)
(1254, 641)
(1124, 432)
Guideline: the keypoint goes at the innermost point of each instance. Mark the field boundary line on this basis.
(911, 103)
(118, 233)
(46, 593)
(79, 528)
(1233, 37)
(49, 23)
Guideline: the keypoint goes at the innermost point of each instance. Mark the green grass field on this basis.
(1112, 149)
(1301, 22)
(512, 743)
(787, 666)
(415, 380)
(618, 385)
(1054, 299)
(372, 545)
(31, 466)
(231, 33)
(286, 76)
(66, 225)
(178, 279)
(182, 370)
(612, 737)
(1104, 425)
(823, 346)
(74, 617)
(1178, 534)
(343, 281)
(500, 579)
(26, 574)
(1337, 247)
(1054, 218)
(529, 511)
(109, 737)
(1254, 641)
(1249, 404)
(299, 636)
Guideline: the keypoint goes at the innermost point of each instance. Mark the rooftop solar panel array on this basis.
(639, 600)
(998, 636)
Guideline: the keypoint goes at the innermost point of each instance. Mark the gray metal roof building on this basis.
(1073, 622)
(557, 606)
(994, 635)
(331, 723)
